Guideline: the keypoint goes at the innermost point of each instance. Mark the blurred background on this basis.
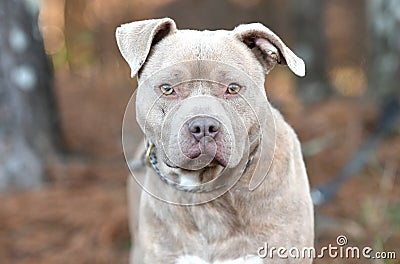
(64, 88)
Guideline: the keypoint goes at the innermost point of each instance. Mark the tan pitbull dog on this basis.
(225, 174)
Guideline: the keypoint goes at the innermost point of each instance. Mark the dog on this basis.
(225, 174)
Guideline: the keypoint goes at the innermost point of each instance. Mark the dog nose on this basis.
(201, 127)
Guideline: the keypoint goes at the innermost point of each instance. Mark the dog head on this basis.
(201, 96)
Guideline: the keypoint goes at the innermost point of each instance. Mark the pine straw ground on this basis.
(80, 216)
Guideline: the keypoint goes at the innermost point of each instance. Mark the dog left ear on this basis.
(269, 48)
(135, 39)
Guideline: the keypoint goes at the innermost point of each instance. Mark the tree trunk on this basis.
(28, 127)
(307, 16)
(384, 64)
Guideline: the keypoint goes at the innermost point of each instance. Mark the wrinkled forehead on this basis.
(199, 71)
(207, 53)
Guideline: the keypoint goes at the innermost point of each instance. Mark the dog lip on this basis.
(195, 151)
(171, 166)
(220, 160)
(213, 163)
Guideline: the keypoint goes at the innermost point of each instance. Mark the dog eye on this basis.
(166, 89)
(233, 88)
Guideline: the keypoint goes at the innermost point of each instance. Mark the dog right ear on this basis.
(136, 38)
(269, 48)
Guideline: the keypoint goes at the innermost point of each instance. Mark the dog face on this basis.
(201, 93)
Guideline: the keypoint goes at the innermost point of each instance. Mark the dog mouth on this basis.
(208, 152)
(214, 162)
(197, 155)
(210, 163)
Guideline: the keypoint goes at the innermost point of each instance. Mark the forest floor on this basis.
(80, 216)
